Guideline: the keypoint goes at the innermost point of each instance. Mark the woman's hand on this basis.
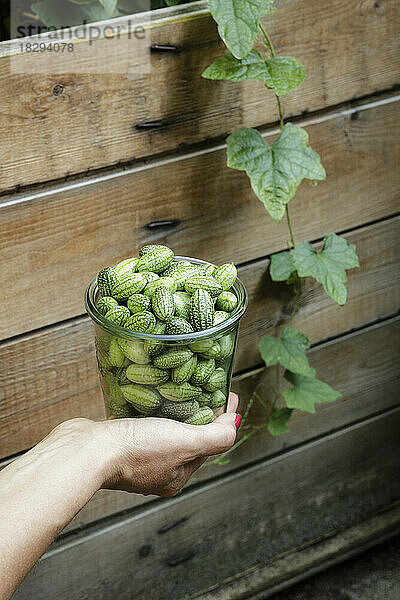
(157, 456)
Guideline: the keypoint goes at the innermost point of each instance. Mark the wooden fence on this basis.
(82, 185)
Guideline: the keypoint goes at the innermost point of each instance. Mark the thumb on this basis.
(216, 437)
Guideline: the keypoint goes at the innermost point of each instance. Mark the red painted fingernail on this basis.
(238, 420)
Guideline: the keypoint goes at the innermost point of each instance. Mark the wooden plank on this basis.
(107, 93)
(61, 237)
(239, 522)
(49, 376)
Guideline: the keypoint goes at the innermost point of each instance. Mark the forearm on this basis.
(39, 495)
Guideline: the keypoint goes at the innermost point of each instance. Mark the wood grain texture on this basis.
(51, 375)
(54, 242)
(363, 366)
(93, 121)
(250, 517)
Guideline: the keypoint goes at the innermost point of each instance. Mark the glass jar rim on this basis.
(117, 330)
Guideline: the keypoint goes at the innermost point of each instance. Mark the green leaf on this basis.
(275, 171)
(67, 14)
(237, 22)
(109, 6)
(328, 266)
(277, 420)
(282, 74)
(282, 266)
(287, 350)
(285, 74)
(234, 69)
(306, 392)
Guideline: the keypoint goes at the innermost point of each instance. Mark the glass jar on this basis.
(185, 377)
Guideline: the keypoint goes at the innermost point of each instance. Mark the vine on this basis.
(275, 172)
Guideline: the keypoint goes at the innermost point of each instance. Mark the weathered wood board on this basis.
(62, 237)
(363, 366)
(94, 120)
(235, 523)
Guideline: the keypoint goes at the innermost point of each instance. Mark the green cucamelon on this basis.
(201, 310)
(226, 301)
(162, 303)
(152, 286)
(154, 347)
(179, 391)
(202, 417)
(138, 302)
(115, 355)
(143, 399)
(105, 304)
(182, 305)
(204, 369)
(126, 285)
(150, 248)
(207, 269)
(182, 274)
(172, 357)
(146, 374)
(213, 351)
(134, 350)
(142, 322)
(219, 316)
(177, 326)
(202, 282)
(226, 345)
(184, 371)
(216, 381)
(106, 278)
(217, 399)
(126, 266)
(121, 410)
(204, 399)
(150, 276)
(226, 275)
(156, 260)
(118, 315)
(180, 411)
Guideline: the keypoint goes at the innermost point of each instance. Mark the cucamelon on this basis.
(207, 269)
(226, 345)
(142, 322)
(150, 248)
(106, 278)
(184, 371)
(138, 302)
(126, 266)
(216, 381)
(201, 310)
(219, 316)
(105, 304)
(202, 282)
(217, 400)
(154, 347)
(162, 303)
(180, 411)
(115, 355)
(204, 399)
(226, 301)
(146, 374)
(152, 286)
(182, 305)
(126, 285)
(134, 350)
(156, 259)
(118, 315)
(120, 410)
(172, 357)
(177, 326)
(145, 400)
(179, 391)
(226, 275)
(213, 352)
(202, 417)
(203, 371)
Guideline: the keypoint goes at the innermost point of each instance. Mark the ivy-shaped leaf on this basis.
(275, 171)
(287, 350)
(328, 266)
(237, 22)
(277, 420)
(282, 266)
(306, 392)
(282, 74)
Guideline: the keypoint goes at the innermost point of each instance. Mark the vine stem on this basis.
(289, 225)
(273, 54)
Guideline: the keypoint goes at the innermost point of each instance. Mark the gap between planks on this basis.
(12, 198)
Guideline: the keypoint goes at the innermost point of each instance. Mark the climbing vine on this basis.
(275, 171)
